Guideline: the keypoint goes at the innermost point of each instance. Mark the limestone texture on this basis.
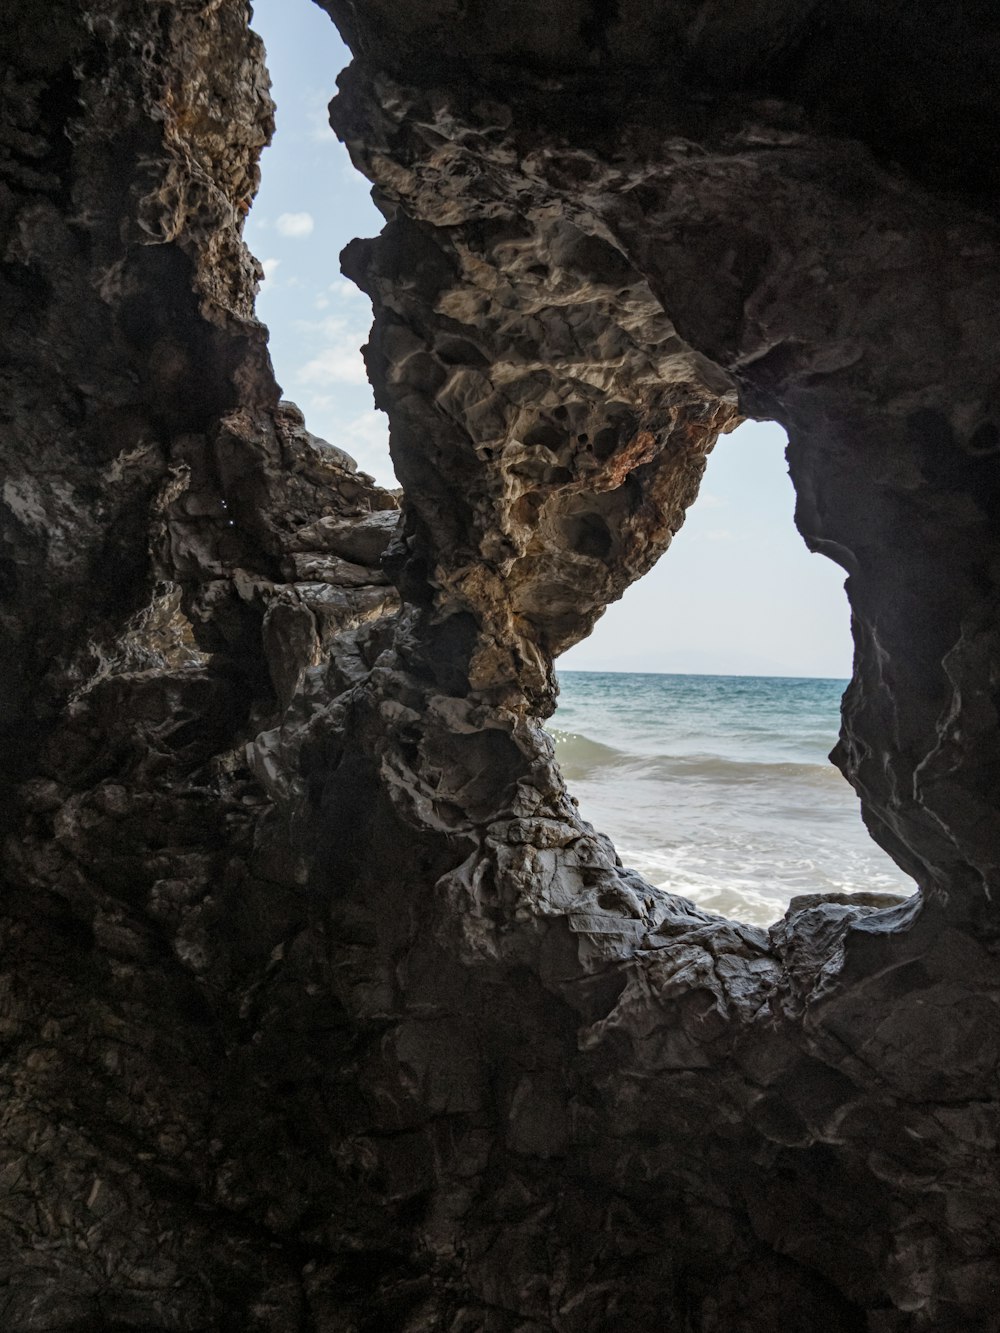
(322, 1010)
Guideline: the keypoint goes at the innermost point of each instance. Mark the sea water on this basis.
(719, 787)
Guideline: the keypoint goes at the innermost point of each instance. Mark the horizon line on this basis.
(728, 675)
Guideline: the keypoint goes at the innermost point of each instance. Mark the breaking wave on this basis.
(719, 788)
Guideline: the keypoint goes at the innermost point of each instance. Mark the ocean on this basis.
(719, 787)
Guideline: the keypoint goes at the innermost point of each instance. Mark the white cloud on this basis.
(320, 129)
(295, 225)
(269, 266)
(321, 402)
(341, 364)
(345, 290)
(338, 359)
(366, 439)
(321, 303)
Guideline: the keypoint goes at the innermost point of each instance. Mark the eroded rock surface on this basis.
(322, 1008)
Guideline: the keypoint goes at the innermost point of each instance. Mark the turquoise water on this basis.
(719, 787)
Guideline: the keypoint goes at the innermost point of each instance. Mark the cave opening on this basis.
(695, 721)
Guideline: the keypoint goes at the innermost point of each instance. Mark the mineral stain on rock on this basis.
(321, 1007)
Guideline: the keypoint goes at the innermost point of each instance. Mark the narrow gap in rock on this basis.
(311, 203)
(695, 723)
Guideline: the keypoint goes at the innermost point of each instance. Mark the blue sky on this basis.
(737, 593)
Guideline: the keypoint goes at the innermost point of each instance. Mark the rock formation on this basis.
(322, 1008)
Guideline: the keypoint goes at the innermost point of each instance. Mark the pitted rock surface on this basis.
(322, 1008)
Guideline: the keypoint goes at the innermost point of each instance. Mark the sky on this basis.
(736, 594)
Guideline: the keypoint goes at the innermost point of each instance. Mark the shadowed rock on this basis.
(322, 1008)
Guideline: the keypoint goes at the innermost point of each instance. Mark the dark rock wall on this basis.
(178, 556)
(322, 1009)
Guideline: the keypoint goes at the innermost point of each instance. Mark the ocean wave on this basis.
(718, 789)
(578, 752)
(715, 768)
(757, 889)
(580, 755)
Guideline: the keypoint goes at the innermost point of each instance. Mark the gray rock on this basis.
(321, 1006)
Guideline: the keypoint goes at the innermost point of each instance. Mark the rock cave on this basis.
(323, 1010)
